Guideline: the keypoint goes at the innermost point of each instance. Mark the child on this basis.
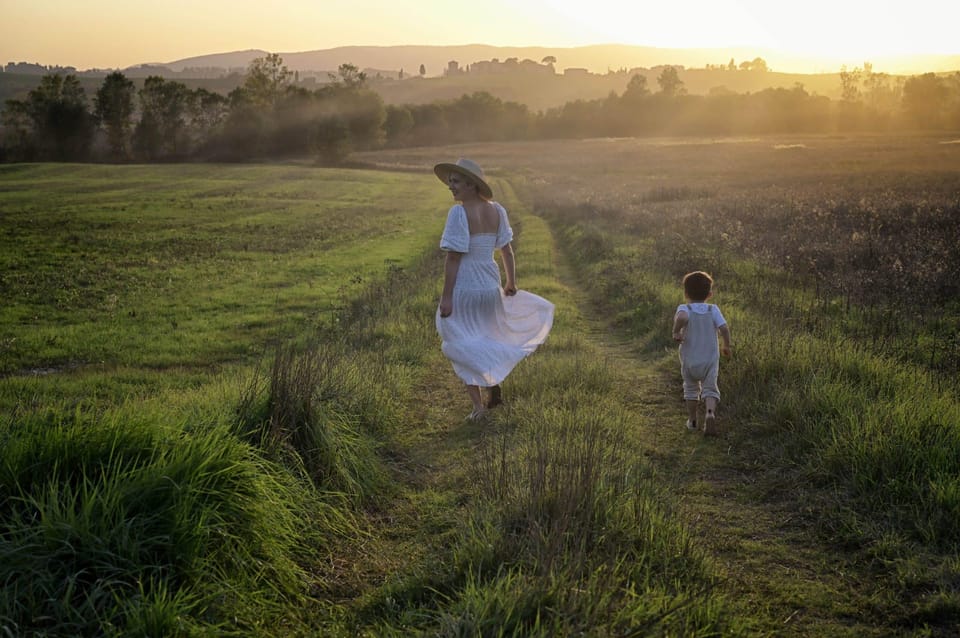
(695, 325)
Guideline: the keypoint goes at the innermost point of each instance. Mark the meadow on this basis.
(226, 412)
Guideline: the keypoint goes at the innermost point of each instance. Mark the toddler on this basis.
(695, 326)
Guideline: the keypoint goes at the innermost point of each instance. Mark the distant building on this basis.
(511, 65)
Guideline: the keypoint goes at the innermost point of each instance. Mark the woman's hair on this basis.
(697, 285)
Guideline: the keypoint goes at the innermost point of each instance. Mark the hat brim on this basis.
(443, 170)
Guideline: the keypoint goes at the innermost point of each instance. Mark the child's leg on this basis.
(710, 419)
(711, 398)
(691, 395)
(692, 406)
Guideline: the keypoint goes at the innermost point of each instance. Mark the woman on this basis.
(486, 330)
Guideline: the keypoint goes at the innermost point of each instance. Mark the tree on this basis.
(636, 88)
(881, 93)
(208, 113)
(60, 126)
(292, 116)
(161, 131)
(548, 59)
(113, 108)
(850, 84)
(243, 132)
(349, 76)
(331, 139)
(924, 99)
(17, 133)
(670, 82)
(397, 124)
(266, 81)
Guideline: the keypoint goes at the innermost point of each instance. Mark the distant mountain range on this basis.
(596, 58)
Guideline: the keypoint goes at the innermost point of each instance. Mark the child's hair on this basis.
(697, 285)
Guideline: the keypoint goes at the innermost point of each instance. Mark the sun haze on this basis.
(119, 33)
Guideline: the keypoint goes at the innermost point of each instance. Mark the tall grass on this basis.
(121, 525)
(869, 440)
(148, 500)
(883, 432)
(332, 397)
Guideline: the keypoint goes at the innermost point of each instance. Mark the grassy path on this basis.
(775, 573)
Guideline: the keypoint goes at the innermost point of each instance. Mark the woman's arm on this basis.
(510, 266)
(451, 266)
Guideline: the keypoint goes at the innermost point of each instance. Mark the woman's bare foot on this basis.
(478, 414)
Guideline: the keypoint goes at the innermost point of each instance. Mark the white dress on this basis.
(488, 333)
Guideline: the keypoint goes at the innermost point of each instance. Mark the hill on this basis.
(544, 91)
(594, 58)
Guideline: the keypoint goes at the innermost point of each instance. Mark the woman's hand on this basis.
(446, 306)
(510, 289)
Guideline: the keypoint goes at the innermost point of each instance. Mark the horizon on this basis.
(821, 38)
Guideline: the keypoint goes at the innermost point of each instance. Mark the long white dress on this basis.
(488, 333)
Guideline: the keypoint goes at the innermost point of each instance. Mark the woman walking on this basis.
(486, 328)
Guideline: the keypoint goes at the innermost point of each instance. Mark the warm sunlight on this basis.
(822, 29)
(700, 25)
(820, 33)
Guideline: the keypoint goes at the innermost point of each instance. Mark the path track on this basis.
(764, 547)
(774, 570)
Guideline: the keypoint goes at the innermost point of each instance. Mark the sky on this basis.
(110, 34)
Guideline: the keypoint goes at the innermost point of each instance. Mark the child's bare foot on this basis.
(710, 424)
(495, 397)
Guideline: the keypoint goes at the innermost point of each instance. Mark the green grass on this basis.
(113, 523)
(290, 458)
(172, 267)
(178, 459)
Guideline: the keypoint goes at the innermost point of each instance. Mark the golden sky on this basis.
(120, 33)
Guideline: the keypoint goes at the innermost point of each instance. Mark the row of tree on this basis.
(269, 115)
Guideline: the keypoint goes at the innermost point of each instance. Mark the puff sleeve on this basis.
(504, 232)
(456, 233)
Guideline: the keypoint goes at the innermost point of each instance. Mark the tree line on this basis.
(270, 116)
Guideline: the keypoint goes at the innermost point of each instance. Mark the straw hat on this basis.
(469, 169)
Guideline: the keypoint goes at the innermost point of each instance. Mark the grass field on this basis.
(226, 412)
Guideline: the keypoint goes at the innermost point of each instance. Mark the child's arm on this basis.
(679, 324)
(727, 347)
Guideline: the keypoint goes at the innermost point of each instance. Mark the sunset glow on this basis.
(116, 33)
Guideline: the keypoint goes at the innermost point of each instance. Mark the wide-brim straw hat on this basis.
(469, 169)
